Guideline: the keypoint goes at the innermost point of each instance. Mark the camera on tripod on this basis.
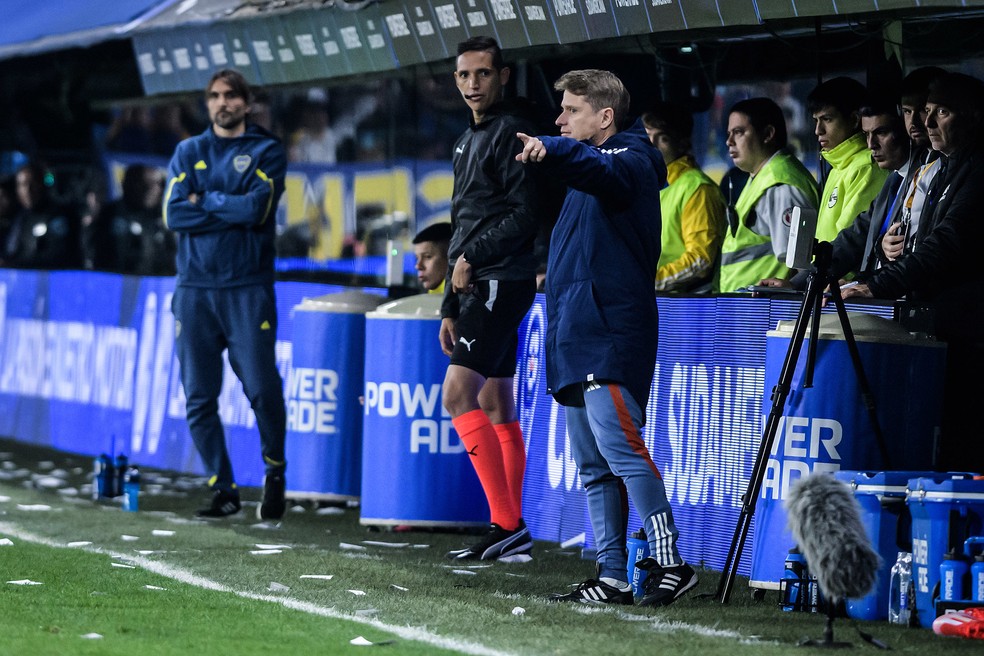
(802, 233)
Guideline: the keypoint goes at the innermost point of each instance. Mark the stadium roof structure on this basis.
(178, 43)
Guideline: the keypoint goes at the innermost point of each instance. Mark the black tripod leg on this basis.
(779, 394)
(866, 394)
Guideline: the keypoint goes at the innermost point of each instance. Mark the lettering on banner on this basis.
(312, 400)
(561, 468)
(713, 431)
(802, 445)
(431, 430)
(69, 361)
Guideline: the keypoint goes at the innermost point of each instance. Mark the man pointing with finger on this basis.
(602, 326)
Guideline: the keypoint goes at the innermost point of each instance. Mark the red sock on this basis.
(513, 460)
(482, 443)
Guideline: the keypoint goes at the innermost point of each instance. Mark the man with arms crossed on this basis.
(221, 199)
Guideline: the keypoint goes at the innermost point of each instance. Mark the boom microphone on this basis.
(825, 520)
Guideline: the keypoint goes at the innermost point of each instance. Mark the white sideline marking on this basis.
(185, 576)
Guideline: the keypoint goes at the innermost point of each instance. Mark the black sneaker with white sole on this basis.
(664, 585)
(224, 503)
(595, 591)
(274, 501)
(497, 543)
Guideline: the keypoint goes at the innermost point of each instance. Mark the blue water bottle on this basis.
(793, 587)
(977, 578)
(638, 548)
(953, 570)
(131, 489)
(99, 476)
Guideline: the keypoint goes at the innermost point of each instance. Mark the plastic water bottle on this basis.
(107, 487)
(977, 578)
(99, 467)
(122, 464)
(131, 489)
(953, 571)
(794, 575)
(638, 548)
(900, 597)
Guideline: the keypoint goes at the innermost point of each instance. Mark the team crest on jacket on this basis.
(787, 217)
(832, 200)
(241, 162)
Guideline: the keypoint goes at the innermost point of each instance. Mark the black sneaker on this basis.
(274, 502)
(224, 503)
(594, 591)
(664, 585)
(497, 543)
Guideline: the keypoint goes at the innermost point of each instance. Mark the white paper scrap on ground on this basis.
(25, 582)
(154, 587)
(278, 587)
(324, 577)
(420, 546)
(265, 552)
(518, 610)
(49, 482)
(572, 542)
(357, 593)
(124, 566)
(351, 547)
(330, 510)
(393, 545)
(5, 542)
(267, 526)
(360, 641)
(129, 538)
(33, 507)
(4, 498)
(466, 572)
(162, 532)
(399, 587)
(79, 543)
(91, 636)
(274, 546)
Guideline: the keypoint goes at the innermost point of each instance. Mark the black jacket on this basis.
(493, 213)
(944, 269)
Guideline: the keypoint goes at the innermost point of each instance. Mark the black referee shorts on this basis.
(488, 325)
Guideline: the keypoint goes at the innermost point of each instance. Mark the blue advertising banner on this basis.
(87, 366)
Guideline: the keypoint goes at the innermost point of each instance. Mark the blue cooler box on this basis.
(826, 427)
(415, 470)
(946, 509)
(324, 416)
(881, 496)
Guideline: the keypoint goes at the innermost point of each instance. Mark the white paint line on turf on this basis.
(407, 633)
(185, 576)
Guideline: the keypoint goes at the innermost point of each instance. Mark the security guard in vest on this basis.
(692, 205)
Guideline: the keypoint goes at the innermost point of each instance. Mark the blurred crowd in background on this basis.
(101, 219)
